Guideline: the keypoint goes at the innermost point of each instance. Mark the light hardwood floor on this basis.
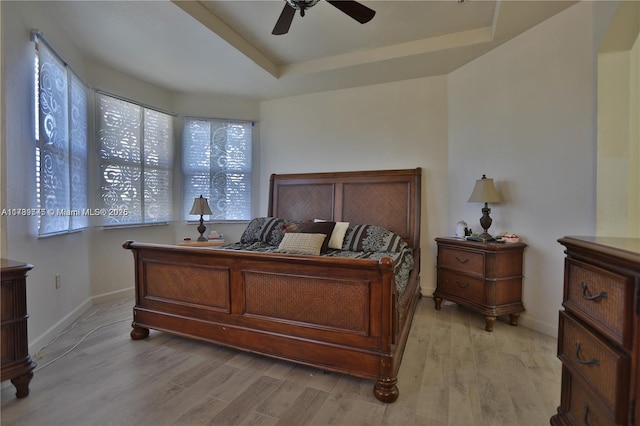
(453, 373)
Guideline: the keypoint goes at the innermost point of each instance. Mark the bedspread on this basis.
(264, 234)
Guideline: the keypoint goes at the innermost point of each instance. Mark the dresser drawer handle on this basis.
(462, 285)
(462, 260)
(594, 361)
(585, 294)
(586, 415)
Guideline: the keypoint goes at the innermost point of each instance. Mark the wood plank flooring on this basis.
(453, 373)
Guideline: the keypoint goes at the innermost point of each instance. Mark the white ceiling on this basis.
(226, 47)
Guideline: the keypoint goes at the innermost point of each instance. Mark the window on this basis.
(61, 144)
(216, 156)
(135, 146)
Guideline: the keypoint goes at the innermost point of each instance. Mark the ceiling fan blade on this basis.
(284, 21)
(357, 11)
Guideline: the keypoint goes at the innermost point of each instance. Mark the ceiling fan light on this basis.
(302, 4)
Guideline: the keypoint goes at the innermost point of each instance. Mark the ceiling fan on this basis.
(357, 11)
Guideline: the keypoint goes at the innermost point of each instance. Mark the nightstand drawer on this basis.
(585, 408)
(599, 298)
(461, 286)
(461, 260)
(599, 364)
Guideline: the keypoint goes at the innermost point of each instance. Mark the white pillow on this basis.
(301, 243)
(337, 236)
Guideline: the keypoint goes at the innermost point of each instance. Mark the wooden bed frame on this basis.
(335, 314)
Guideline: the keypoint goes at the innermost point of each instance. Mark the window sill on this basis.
(57, 234)
(217, 222)
(133, 225)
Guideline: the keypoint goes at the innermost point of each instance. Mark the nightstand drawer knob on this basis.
(462, 285)
(594, 361)
(465, 260)
(585, 294)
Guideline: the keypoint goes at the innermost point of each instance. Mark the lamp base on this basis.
(485, 236)
(201, 230)
(485, 222)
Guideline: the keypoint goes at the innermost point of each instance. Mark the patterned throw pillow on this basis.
(251, 233)
(271, 232)
(372, 238)
(301, 243)
(265, 229)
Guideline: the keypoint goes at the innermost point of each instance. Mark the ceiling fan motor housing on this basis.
(352, 8)
(302, 5)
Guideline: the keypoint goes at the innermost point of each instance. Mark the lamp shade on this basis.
(484, 191)
(200, 207)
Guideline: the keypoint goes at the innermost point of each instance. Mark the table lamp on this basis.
(201, 207)
(485, 192)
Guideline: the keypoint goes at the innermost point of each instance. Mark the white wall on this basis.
(387, 126)
(93, 265)
(618, 212)
(613, 144)
(524, 114)
(634, 139)
(69, 255)
(3, 151)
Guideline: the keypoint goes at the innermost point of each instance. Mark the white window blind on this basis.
(216, 156)
(61, 145)
(136, 158)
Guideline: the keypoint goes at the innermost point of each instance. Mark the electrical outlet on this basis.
(58, 281)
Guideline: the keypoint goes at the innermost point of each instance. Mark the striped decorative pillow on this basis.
(371, 238)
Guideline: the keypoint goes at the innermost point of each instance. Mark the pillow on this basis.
(302, 243)
(372, 238)
(251, 233)
(265, 229)
(337, 236)
(325, 228)
(292, 227)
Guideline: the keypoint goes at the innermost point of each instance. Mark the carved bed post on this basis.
(386, 390)
(137, 333)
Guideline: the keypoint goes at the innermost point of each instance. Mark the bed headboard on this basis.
(387, 198)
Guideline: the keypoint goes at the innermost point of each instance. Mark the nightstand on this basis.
(193, 243)
(484, 277)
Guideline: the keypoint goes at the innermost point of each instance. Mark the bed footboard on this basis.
(335, 314)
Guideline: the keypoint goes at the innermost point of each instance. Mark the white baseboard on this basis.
(427, 291)
(52, 332)
(537, 325)
(113, 295)
(57, 328)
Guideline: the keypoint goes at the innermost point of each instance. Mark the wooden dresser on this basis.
(484, 277)
(599, 332)
(17, 365)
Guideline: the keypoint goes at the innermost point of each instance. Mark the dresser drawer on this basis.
(462, 286)
(461, 260)
(599, 364)
(585, 408)
(603, 299)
